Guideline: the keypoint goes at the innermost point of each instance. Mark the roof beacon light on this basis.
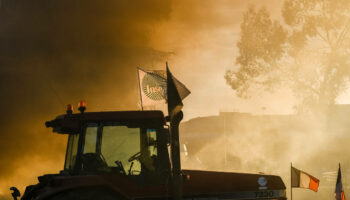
(69, 109)
(82, 106)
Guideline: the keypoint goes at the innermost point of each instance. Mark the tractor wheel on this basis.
(87, 194)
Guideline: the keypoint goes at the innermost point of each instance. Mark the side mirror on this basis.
(64, 126)
(15, 193)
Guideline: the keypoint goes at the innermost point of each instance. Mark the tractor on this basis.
(127, 155)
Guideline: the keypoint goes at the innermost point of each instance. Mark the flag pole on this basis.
(138, 77)
(291, 186)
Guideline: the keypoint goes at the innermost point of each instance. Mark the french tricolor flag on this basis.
(339, 192)
(302, 179)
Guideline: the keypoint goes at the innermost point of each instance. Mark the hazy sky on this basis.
(203, 37)
(57, 52)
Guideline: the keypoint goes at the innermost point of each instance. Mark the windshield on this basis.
(119, 144)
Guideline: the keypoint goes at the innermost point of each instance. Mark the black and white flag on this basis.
(153, 87)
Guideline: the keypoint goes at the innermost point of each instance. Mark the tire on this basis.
(87, 194)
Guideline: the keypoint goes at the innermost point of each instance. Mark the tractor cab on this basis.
(131, 143)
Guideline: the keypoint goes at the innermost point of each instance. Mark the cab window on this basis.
(120, 144)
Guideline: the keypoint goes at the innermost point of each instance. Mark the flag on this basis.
(174, 98)
(339, 192)
(153, 87)
(181, 88)
(302, 179)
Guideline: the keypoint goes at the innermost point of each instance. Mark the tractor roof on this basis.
(70, 123)
(120, 115)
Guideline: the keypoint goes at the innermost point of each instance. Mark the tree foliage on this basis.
(307, 52)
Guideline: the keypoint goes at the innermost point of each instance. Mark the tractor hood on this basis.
(232, 185)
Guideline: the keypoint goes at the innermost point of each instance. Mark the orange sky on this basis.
(93, 56)
(203, 37)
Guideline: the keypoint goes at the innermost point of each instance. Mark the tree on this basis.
(309, 52)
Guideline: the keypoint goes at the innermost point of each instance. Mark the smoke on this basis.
(206, 45)
(57, 52)
(203, 37)
(268, 144)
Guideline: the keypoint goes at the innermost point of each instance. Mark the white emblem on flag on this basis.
(152, 88)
